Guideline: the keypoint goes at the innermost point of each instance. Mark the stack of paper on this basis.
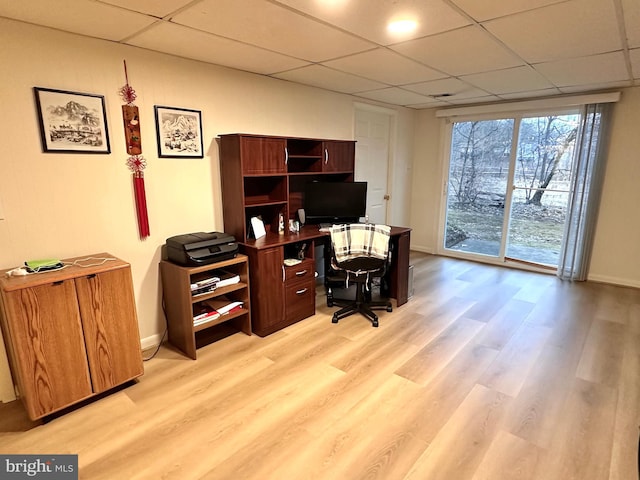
(204, 286)
(224, 306)
(206, 315)
(226, 278)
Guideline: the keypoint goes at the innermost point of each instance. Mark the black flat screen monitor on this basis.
(335, 202)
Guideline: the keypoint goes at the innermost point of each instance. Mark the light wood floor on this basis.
(486, 373)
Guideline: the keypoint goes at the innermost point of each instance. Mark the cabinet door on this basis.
(50, 361)
(263, 155)
(267, 289)
(110, 326)
(338, 156)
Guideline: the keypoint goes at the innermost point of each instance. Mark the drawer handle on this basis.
(301, 273)
(300, 292)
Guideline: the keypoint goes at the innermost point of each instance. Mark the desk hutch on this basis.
(265, 176)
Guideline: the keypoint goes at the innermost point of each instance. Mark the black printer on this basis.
(193, 249)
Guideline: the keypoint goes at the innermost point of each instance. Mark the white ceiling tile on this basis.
(369, 18)
(323, 77)
(463, 51)
(635, 62)
(395, 95)
(469, 101)
(157, 8)
(631, 10)
(521, 49)
(571, 29)
(488, 9)
(447, 89)
(397, 70)
(92, 19)
(547, 92)
(510, 80)
(258, 22)
(187, 43)
(608, 67)
(434, 104)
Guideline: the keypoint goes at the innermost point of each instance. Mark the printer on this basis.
(194, 249)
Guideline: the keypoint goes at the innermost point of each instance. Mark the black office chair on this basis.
(359, 252)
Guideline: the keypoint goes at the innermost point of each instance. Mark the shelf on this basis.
(250, 203)
(221, 319)
(218, 291)
(180, 304)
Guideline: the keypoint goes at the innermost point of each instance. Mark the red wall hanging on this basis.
(136, 161)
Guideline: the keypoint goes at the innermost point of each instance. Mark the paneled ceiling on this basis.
(461, 51)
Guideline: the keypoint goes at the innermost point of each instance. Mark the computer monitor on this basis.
(335, 202)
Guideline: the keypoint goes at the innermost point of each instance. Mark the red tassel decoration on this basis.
(136, 164)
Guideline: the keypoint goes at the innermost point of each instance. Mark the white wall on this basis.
(66, 205)
(615, 257)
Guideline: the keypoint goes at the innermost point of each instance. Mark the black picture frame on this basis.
(179, 132)
(72, 122)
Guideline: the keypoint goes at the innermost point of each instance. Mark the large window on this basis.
(508, 186)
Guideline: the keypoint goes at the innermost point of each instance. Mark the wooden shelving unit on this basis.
(266, 176)
(181, 306)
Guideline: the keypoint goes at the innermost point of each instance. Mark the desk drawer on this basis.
(304, 270)
(300, 300)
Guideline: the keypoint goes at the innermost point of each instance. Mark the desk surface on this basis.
(308, 232)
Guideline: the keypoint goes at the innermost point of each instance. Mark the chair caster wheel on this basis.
(389, 309)
(375, 323)
(334, 319)
(329, 303)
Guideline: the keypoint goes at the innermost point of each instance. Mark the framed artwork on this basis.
(72, 122)
(179, 132)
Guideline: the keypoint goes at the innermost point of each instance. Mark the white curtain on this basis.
(584, 199)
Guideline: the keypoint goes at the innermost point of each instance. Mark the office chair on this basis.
(358, 253)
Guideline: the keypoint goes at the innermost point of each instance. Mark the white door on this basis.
(372, 160)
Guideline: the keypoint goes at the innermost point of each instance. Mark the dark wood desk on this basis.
(283, 295)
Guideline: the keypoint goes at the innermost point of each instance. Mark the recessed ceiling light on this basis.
(402, 26)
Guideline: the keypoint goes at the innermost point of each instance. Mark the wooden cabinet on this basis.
(281, 294)
(267, 294)
(266, 176)
(72, 333)
(182, 306)
(339, 156)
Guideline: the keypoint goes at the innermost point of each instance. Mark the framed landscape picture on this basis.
(71, 122)
(179, 132)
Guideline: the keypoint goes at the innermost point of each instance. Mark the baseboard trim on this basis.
(151, 342)
(621, 282)
(419, 248)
